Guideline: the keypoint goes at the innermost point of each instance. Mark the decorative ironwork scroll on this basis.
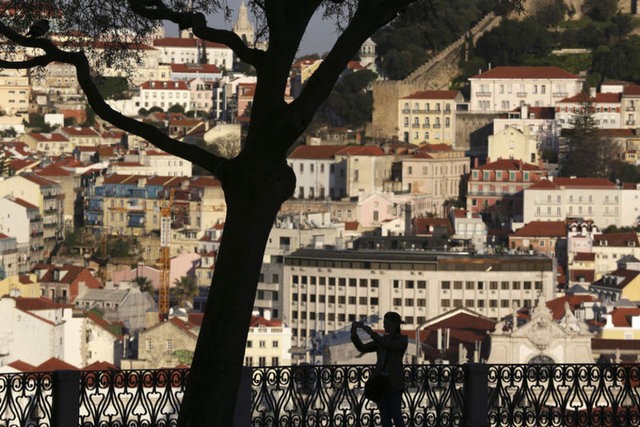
(564, 395)
(333, 396)
(26, 399)
(131, 398)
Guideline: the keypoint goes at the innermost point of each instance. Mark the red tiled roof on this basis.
(585, 256)
(543, 228)
(204, 181)
(526, 73)
(122, 179)
(433, 94)
(631, 90)
(195, 68)
(101, 366)
(24, 279)
(71, 273)
(78, 131)
(34, 304)
(24, 203)
(545, 184)
(22, 366)
(557, 305)
(351, 225)
(41, 181)
(184, 42)
(613, 345)
(509, 164)
(615, 133)
(585, 275)
(261, 321)
(19, 164)
(626, 275)
(625, 238)
(621, 316)
(361, 150)
(462, 213)
(316, 152)
(53, 170)
(51, 137)
(55, 364)
(423, 225)
(599, 98)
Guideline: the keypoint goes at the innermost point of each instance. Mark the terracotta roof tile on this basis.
(80, 131)
(557, 182)
(526, 73)
(55, 364)
(35, 304)
(24, 203)
(261, 321)
(621, 316)
(101, 366)
(195, 68)
(351, 225)
(184, 42)
(423, 225)
(22, 366)
(613, 345)
(361, 150)
(510, 164)
(316, 152)
(631, 90)
(585, 256)
(626, 238)
(598, 98)
(543, 229)
(433, 94)
(586, 275)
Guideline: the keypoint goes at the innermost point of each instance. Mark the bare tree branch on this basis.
(156, 10)
(79, 60)
(38, 61)
(369, 16)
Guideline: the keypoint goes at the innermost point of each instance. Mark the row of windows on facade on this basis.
(321, 168)
(263, 344)
(262, 361)
(487, 175)
(427, 135)
(560, 89)
(440, 170)
(580, 199)
(491, 285)
(579, 210)
(427, 123)
(427, 107)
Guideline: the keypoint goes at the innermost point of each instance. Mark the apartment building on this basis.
(49, 144)
(268, 343)
(319, 174)
(428, 116)
(44, 193)
(325, 290)
(179, 50)
(513, 143)
(542, 237)
(611, 249)
(496, 188)
(367, 167)
(630, 108)
(435, 170)
(596, 199)
(164, 94)
(502, 89)
(536, 122)
(15, 92)
(81, 136)
(22, 220)
(152, 162)
(605, 108)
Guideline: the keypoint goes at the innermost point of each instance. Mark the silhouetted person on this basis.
(38, 29)
(390, 349)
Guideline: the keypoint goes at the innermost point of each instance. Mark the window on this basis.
(443, 284)
(249, 344)
(445, 303)
(469, 285)
(397, 302)
(457, 284)
(274, 361)
(493, 285)
(504, 303)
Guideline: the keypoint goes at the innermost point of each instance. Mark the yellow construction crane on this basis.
(165, 260)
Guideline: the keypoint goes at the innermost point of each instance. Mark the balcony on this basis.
(631, 108)
(426, 126)
(630, 122)
(560, 94)
(521, 94)
(435, 395)
(483, 94)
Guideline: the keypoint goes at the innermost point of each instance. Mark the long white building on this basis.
(595, 199)
(327, 290)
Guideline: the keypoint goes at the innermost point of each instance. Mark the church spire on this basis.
(243, 26)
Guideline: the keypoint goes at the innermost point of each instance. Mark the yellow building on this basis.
(428, 116)
(623, 323)
(15, 92)
(24, 285)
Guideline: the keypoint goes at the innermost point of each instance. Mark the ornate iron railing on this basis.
(26, 399)
(333, 395)
(436, 395)
(131, 398)
(564, 395)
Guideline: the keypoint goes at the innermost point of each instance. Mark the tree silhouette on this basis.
(256, 182)
(186, 287)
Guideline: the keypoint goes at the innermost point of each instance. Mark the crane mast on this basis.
(165, 260)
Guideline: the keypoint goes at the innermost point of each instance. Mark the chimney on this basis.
(592, 92)
(524, 111)
(407, 220)
(475, 162)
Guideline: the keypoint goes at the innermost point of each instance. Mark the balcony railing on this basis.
(435, 395)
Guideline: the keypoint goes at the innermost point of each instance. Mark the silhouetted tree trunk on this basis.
(256, 182)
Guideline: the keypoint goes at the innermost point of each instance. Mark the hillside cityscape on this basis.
(483, 182)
